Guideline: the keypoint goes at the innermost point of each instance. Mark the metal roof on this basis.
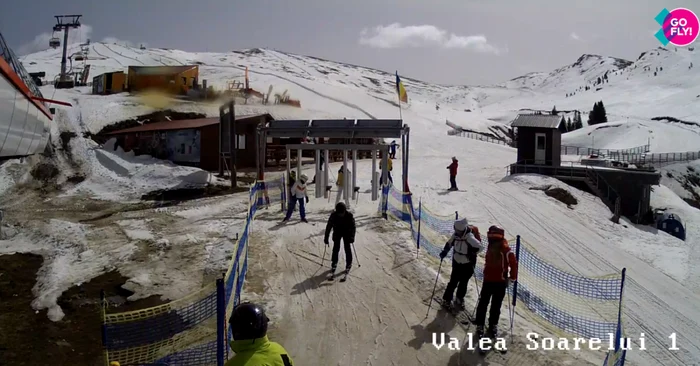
(338, 128)
(160, 70)
(183, 124)
(537, 120)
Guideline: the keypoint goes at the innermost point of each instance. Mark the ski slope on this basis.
(379, 312)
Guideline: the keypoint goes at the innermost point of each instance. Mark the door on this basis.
(540, 148)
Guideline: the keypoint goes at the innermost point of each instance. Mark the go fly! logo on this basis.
(679, 27)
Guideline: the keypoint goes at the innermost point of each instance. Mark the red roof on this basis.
(183, 124)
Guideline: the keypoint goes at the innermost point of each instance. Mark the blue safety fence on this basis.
(583, 306)
(192, 330)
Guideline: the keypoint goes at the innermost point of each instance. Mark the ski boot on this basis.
(492, 332)
(479, 333)
(446, 304)
(304, 220)
(458, 305)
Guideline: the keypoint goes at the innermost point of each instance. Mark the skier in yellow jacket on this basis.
(250, 343)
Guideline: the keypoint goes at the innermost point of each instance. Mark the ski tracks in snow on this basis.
(377, 317)
(583, 249)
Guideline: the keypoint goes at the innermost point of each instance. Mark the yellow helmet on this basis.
(114, 363)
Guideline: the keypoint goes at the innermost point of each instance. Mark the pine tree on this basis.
(562, 125)
(603, 116)
(554, 111)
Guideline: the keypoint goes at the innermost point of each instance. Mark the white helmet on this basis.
(461, 225)
(303, 178)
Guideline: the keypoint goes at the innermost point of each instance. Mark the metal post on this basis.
(325, 172)
(299, 163)
(287, 188)
(456, 216)
(319, 181)
(405, 180)
(420, 210)
(233, 144)
(385, 166)
(354, 175)
(517, 259)
(375, 184)
(220, 322)
(345, 176)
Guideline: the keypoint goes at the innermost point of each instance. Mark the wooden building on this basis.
(538, 139)
(191, 142)
(172, 79)
(109, 83)
(626, 191)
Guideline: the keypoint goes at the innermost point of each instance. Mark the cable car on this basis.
(54, 42)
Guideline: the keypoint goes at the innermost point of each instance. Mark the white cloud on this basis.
(574, 36)
(397, 36)
(79, 35)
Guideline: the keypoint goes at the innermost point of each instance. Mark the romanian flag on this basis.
(400, 89)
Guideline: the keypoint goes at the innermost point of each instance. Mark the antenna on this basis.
(64, 23)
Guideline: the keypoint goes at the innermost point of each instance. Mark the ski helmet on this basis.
(461, 225)
(303, 178)
(248, 321)
(341, 208)
(496, 232)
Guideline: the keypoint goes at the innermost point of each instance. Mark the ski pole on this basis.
(325, 247)
(478, 294)
(357, 259)
(511, 314)
(434, 287)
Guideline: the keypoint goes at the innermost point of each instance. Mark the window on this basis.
(241, 142)
(663, 226)
(540, 143)
(677, 229)
(184, 81)
(269, 140)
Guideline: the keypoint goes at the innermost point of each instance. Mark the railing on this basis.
(612, 153)
(661, 159)
(584, 306)
(480, 137)
(192, 330)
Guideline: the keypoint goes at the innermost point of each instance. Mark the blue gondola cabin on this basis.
(672, 224)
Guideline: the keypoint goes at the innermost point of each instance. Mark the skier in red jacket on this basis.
(500, 268)
(453, 174)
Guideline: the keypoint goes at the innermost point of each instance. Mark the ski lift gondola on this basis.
(54, 42)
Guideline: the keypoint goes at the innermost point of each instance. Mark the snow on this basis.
(624, 134)
(116, 175)
(379, 311)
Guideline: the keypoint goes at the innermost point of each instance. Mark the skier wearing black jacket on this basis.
(342, 223)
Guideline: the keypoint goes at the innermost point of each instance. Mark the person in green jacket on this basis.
(250, 343)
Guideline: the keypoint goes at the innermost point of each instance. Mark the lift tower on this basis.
(64, 23)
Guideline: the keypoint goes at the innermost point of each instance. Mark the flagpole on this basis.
(400, 113)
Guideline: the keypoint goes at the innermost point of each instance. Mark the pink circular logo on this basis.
(681, 27)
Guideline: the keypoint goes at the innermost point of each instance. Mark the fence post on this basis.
(420, 214)
(618, 333)
(220, 321)
(103, 303)
(517, 258)
(456, 216)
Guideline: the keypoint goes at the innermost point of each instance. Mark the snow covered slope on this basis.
(663, 283)
(628, 133)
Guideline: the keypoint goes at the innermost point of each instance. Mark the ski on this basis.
(493, 346)
(345, 276)
(461, 315)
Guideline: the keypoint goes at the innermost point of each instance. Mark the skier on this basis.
(342, 223)
(340, 183)
(248, 324)
(466, 242)
(388, 173)
(499, 260)
(453, 174)
(392, 149)
(298, 194)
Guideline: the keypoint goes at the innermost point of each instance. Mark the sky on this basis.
(456, 42)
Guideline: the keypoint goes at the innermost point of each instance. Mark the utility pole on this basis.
(64, 23)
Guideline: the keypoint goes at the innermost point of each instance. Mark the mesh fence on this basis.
(190, 330)
(583, 306)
